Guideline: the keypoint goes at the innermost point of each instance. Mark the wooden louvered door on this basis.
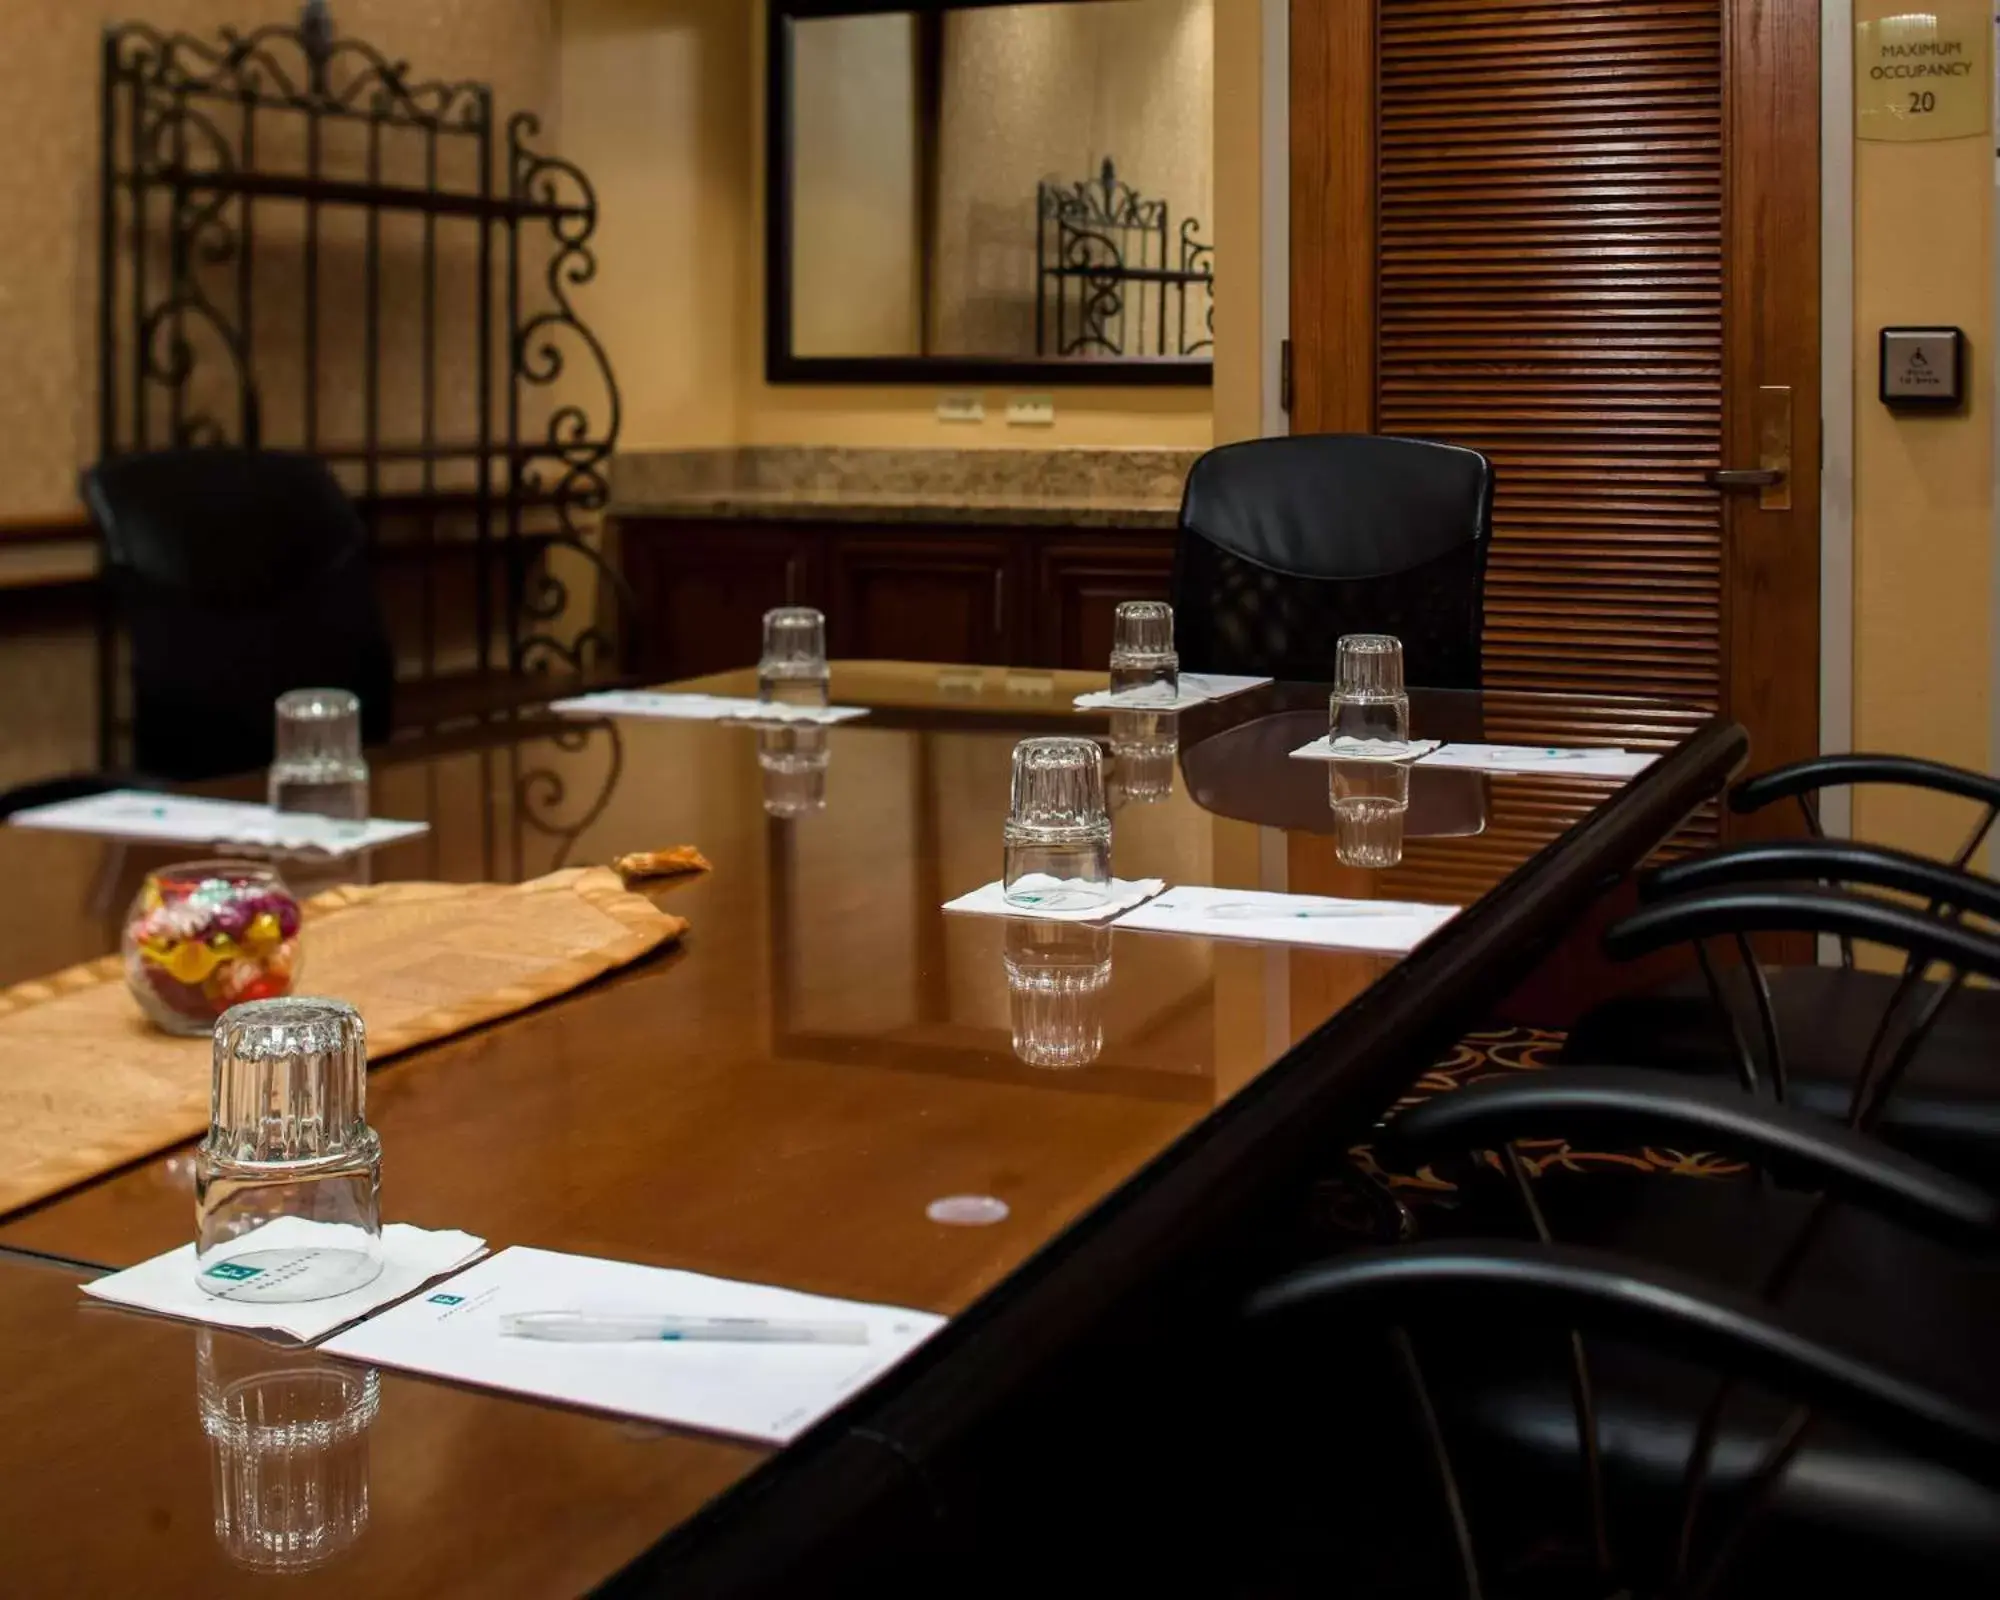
(1582, 237)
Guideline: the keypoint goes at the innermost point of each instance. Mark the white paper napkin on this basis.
(991, 901)
(1383, 927)
(1579, 763)
(1327, 749)
(1195, 687)
(697, 707)
(166, 1285)
(189, 819)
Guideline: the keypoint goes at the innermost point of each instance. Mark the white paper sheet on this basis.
(697, 708)
(188, 819)
(770, 1392)
(1539, 759)
(1195, 687)
(1324, 749)
(1384, 927)
(991, 901)
(166, 1285)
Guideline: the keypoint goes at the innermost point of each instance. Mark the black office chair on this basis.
(1286, 544)
(1635, 1463)
(235, 575)
(1909, 1054)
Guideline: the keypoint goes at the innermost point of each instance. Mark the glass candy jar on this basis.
(203, 936)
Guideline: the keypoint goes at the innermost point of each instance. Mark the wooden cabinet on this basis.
(1079, 582)
(703, 589)
(943, 598)
(1039, 596)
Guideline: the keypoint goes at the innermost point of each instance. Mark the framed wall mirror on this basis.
(968, 191)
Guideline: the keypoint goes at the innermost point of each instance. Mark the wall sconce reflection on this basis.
(1371, 802)
(793, 759)
(1144, 745)
(288, 1450)
(1057, 975)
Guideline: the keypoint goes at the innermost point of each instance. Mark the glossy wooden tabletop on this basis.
(781, 1099)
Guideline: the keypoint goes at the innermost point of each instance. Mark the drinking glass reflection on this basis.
(288, 1450)
(792, 760)
(1057, 976)
(1144, 745)
(1371, 802)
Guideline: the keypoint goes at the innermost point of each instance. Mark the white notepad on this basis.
(1195, 688)
(768, 1392)
(1541, 760)
(697, 708)
(1383, 927)
(139, 814)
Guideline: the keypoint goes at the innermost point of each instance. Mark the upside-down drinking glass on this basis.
(1144, 664)
(317, 764)
(288, 1182)
(1058, 833)
(792, 670)
(1368, 714)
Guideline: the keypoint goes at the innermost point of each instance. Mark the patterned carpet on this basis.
(1496, 1053)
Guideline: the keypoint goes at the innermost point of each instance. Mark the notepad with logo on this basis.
(1384, 927)
(769, 1391)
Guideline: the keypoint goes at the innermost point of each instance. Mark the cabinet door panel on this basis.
(946, 596)
(1080, 583)
(705, 588)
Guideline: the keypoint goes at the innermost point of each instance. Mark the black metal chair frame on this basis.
(1669, 1311)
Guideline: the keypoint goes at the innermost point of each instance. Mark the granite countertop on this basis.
(1137, 489)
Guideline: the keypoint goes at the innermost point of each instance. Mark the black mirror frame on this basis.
(781, 366)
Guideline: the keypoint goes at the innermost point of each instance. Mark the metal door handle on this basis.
(1745, 477)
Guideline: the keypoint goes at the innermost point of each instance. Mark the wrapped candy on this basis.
(204, 935)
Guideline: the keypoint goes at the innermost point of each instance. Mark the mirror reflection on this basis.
(1057, 973)
(1007, 182)
(1143, 747)
(1371, 804)
(288, 1450)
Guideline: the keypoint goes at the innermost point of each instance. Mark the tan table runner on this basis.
(86, 1084)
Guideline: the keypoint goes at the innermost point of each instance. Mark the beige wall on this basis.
(48, 186)
(663, 105)
(1924, 506)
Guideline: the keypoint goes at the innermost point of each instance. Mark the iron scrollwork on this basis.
(1104, 283)
(567, 469)
(542, 792)
(188, 172)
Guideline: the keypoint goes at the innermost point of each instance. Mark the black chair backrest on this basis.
(236, 575)
(1286, 544)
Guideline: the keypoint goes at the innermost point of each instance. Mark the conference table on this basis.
(781, 1097)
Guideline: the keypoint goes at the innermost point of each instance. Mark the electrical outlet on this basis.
(1031, 411)
(961, 408)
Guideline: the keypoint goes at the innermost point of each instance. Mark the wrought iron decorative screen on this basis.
(1105, 285)
(303, 246)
